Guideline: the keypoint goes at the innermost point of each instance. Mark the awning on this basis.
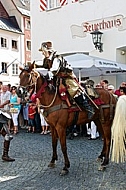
(89, 66)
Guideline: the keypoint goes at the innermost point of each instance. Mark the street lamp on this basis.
(96, 37)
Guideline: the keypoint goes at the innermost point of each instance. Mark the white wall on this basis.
(55, 26)
(8, 55)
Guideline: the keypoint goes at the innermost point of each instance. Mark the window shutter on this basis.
(63, 2)
(43, 5)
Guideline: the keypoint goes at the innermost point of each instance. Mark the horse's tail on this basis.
(118, 140)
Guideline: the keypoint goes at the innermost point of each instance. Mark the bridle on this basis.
(33, 77)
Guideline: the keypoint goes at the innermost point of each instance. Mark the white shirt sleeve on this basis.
(55, 65)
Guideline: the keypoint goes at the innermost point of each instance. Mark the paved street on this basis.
(33, 153)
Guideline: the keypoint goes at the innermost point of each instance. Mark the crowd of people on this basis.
(91, 128)
(26, 115)
(29, 116)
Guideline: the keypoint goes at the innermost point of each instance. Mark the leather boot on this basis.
(83, 101)
(5, 156)
(88, 108)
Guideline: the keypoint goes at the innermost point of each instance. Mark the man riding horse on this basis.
(58, 67)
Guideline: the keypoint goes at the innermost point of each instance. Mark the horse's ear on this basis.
(21, 68)
(34, 65)
(31, 66)
(33, 62)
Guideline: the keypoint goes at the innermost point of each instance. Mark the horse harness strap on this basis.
(75, 119)
(54, 108)
(111, 106)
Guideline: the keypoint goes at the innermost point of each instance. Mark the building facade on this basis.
(15, 47)
(68, 24)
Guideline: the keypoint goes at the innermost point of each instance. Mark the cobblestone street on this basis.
(33, 153)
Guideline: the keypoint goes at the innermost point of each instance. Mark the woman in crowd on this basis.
(15, 107)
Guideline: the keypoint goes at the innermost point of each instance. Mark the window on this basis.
(14, 44)
(53, 4)
(3, 42)
(4, 67)
(28, 24)
(29, 45)
(15, 69)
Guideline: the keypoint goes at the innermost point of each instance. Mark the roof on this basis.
(23, 6)
(10, 25)
(24, 11)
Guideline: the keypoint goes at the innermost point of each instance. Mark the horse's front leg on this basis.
(107, 141)
(100, 128)
(54, 147)
(102, 155)
(62, 138)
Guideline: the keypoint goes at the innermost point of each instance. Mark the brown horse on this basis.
(59, 118)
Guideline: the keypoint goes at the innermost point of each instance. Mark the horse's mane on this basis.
(118, 149)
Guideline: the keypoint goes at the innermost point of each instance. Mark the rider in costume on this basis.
(58, 66)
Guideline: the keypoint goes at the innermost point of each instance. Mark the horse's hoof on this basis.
(99, 160)
(51, 165)
(102, 168)
(64, 172)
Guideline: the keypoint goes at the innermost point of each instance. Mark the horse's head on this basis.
(28, 78)
(32, 81)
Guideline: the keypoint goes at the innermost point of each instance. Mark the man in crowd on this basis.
(117, 91)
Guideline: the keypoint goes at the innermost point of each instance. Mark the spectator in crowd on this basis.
(98, 85)
(117, 92)
(25, 114)
(44, 124)
(122, 90)
(92, 131)
(31, 116)
(104, 83)
(5, 98)
(37, 115)
(15, 107)
(9, 87)
(111, 89)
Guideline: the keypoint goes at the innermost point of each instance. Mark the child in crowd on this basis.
(31, 117)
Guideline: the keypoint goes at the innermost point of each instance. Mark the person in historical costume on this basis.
(4, 122)
(4, 117)
(59, 67)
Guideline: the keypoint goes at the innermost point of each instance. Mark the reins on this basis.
(34, 75)
(44, 106)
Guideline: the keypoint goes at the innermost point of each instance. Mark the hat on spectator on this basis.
(111, 87)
